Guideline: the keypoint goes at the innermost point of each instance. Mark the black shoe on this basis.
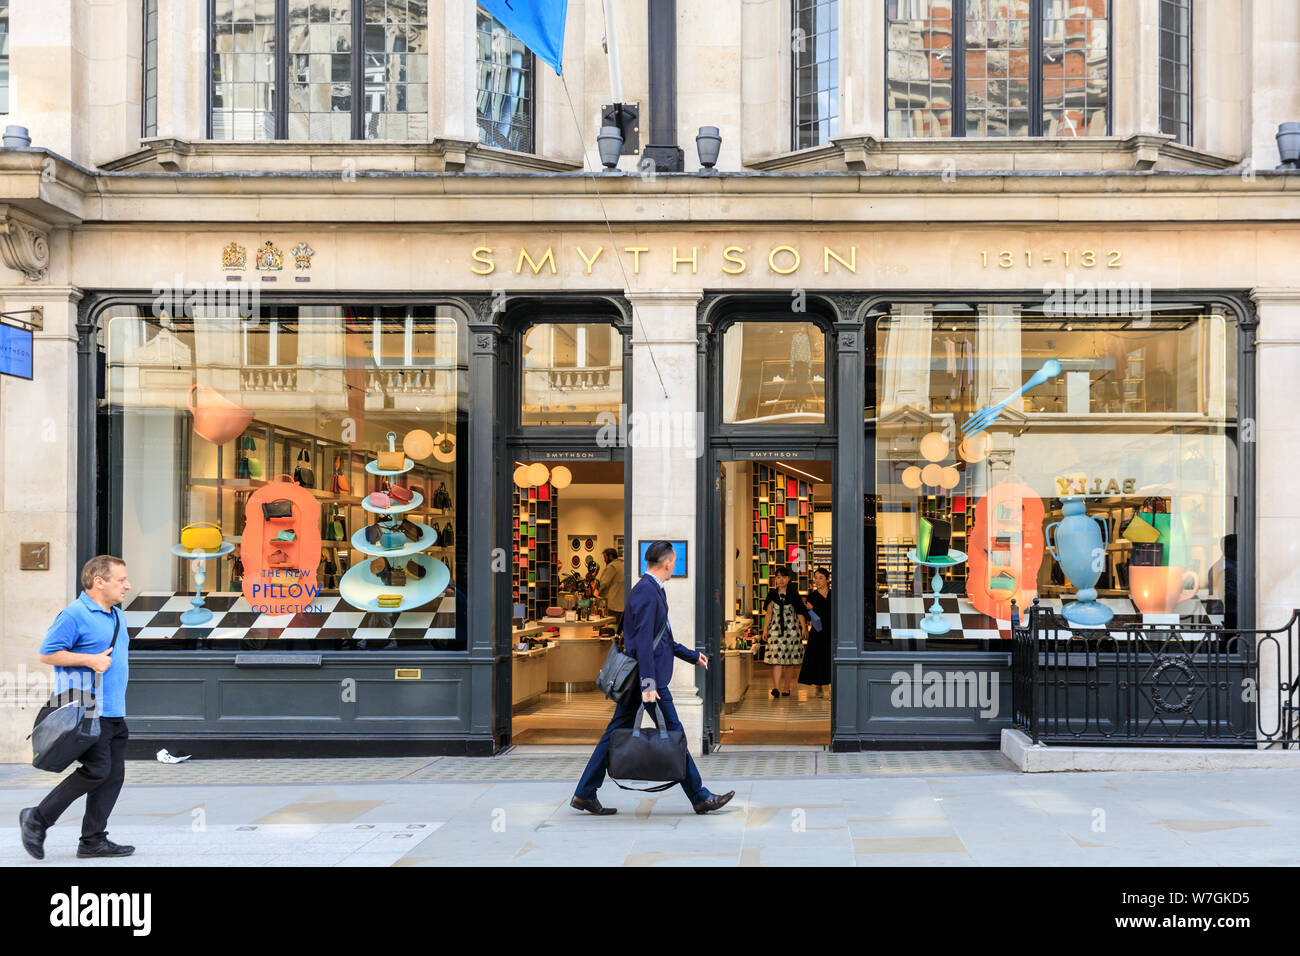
(775, 692)
(33, 833)
(591, 806)
(104, 847)
(785, 693)
(715, 802)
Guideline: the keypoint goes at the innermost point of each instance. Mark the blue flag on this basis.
(539, 24)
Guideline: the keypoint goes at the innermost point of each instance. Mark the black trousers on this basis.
(99, 779)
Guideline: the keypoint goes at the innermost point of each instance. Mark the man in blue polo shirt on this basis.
(87, 638)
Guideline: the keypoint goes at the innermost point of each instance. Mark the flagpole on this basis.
(611, 51)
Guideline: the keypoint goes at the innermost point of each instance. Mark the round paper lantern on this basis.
(521, 477)
(538, 474)
(561, 477)
(931, 474)
(912, 477)
(444, 447)
(934, 447)
(975, 447)
(418, 444)
(949, 477)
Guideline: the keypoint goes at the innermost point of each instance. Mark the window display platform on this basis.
(153, 615)
(900, 617)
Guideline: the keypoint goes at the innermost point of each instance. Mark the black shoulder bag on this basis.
(66, 727)
(619, 678)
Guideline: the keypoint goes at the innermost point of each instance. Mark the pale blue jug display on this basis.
(1080, 549)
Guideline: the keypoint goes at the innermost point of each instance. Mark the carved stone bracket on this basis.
(24, 243)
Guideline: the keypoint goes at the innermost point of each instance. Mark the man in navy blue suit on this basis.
(644, 616)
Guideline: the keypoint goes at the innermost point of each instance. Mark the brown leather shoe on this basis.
(591, 806)
(715, 802)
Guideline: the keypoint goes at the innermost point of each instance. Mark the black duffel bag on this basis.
(65, 728)
(619, 678)
(653, 753)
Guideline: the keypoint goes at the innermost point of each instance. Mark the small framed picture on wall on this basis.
(679, 548)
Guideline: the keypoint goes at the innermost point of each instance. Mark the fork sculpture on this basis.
(987, 415)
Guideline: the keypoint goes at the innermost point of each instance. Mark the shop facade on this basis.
(1169, 402)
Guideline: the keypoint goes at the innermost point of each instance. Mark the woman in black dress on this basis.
(816, 668)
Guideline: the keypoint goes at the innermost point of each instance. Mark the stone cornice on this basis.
(61, 193)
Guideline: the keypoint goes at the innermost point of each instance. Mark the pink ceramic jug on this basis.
(1158, 590)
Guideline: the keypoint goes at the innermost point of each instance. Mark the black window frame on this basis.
(1186, 94)
(1035, 73)
(281, 100)
(795, 65)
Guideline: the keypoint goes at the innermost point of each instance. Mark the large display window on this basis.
(303, 468)
(1083, 456)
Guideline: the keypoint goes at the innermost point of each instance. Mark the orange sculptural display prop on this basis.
(280, 576)
(1006, 549)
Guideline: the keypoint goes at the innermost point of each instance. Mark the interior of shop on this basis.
(567, 594)
(777, 515)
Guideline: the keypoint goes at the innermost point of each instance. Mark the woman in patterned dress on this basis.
(785, 624)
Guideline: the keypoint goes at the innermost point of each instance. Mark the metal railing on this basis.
(1155, 685)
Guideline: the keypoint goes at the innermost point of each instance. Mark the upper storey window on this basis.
(814, 66)
(997, 67)
(315, 70)
(506, 73)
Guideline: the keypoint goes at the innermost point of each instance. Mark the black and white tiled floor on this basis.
(900, 617)
(156, 616)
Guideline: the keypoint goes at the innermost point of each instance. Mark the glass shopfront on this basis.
(1084, 456)
(259, 440)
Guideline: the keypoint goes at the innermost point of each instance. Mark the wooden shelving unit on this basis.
(782, 507)
(536, 547)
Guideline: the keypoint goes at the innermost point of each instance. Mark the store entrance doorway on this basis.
(773, 682)
(567, 585)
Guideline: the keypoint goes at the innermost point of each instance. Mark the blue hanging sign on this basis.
(15, 351)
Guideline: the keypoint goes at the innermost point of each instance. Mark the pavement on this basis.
(929, 808)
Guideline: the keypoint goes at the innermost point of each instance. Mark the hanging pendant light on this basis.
(444, 447)
(418, 444)
(538, 473)
(561, 477)
(521, 477)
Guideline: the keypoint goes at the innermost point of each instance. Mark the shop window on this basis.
(572, 373)
(1176, 69)
(149, 63)
(997, 68)
(814, 71)
(351, 69)
(1128, 416)
(773, 372)
(506, 73)
(207, 416)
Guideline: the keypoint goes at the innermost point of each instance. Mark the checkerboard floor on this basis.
(899, 618)
(331, 624)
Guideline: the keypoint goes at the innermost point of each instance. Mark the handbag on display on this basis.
(339, 484)
(378, 499)
(277, 557)
(441, 498)
(396, 578)
(378, 566)
(303, 473)
(410, 529)
(373, 533)
(284, 535)
(277, 510)
(448, 536)
(201, 536)
(242, 469)
(399, 494)
(648, 753)
(389, 600)
(415, 569)
(391, 460)
(392, 540)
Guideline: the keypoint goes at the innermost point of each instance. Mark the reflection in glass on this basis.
(506, 71)
(1176, 69)
(1076, 65)
(773, 372)
(815, 67)
(997, 68)
(571, 373)
(1140, 421)
(323, 385)
(919, 68)
(243, 69)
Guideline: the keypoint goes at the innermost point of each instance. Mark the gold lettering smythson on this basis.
(732, 260)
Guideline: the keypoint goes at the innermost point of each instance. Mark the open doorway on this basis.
(567, 592)
(776, 597)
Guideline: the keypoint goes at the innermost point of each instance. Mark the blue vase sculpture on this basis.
(1080, 549)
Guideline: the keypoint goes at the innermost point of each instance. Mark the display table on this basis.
(572, 629)
(529, 675)
(576, 653)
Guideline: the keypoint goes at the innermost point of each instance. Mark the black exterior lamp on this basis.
(1288, 145)
(610, 145)
(708, 144)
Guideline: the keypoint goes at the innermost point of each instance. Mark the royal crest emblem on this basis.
(269, 258)
(302, 254)
(234, 257)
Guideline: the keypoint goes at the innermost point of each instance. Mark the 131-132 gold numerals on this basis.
(1084, 258)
